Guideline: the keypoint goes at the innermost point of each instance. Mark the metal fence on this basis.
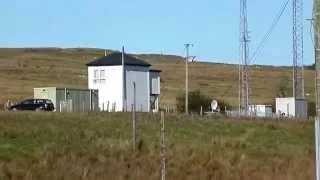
(66, 105)
(169, 108)
(273, 116)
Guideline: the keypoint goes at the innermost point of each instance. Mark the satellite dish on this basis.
(214, 105)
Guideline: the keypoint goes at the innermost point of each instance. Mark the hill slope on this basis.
(23, 69)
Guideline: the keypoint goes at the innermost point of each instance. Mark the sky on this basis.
(147, 26)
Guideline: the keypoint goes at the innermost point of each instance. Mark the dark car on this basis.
(34, 105)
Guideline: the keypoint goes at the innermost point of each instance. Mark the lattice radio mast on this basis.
(297, 32)
(244, 59)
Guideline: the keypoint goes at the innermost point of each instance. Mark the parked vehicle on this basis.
(33, 105)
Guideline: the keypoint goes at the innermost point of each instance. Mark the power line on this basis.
(311, 32)
(265, 39)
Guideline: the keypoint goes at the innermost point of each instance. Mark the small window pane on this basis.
(102, 74)
(102, 81)
(96, 74)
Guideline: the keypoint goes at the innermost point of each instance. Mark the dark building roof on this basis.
(115, 59)
(155, 70)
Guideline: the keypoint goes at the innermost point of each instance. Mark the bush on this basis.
(196, 100)
(312, 109)
(223, 106)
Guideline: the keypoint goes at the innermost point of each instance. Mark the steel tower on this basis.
(244, 60)
(297, 32)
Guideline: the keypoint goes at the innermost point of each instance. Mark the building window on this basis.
(102, 81)
(96, 74)
(99, 77)
(102, 74)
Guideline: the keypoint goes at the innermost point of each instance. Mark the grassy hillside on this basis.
(23, 69)
(97, 146)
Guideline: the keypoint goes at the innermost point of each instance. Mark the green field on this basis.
(98, 146)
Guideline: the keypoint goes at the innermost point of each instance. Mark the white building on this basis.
(291, 107)
(260, 110)
(118, 77)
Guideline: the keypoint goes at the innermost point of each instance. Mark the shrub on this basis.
(312, 109)
(223, 106)
(195, 100)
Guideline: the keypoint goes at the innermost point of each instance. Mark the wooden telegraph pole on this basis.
(134, 118)
(162, 147)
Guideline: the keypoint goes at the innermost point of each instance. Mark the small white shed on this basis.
(118, 77)
(292, 107)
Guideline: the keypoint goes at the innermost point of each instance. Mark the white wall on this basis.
(111, 89)
(139, 75)
(286, 106)
(46, 93)
(297, 107)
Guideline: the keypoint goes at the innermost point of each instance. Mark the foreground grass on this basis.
(98, 146)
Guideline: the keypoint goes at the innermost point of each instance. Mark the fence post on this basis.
(162, 147)
(90, 99)
(133, 129)
(134, 118)
(317, 143)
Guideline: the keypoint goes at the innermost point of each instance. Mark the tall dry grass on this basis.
(98, 146)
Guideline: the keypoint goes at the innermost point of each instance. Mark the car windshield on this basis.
(29, 101)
